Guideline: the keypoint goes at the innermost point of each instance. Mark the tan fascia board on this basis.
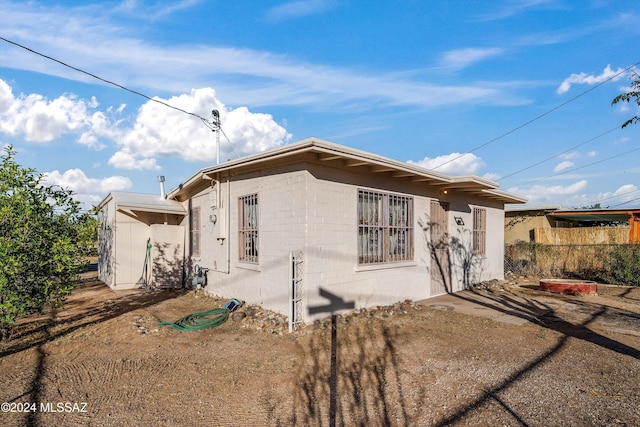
(326, 150)
(505, 197)
(151, 209)
(104, 202)
(330, 151)
(471, 181)
(211, 171)
(378, 164)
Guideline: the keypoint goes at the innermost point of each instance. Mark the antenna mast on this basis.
(215, 127)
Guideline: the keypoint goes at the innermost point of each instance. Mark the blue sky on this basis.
(523, 87)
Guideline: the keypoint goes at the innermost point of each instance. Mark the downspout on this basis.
(228, 223)
(187, 246)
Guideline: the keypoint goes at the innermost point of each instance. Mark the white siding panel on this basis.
(131, 244)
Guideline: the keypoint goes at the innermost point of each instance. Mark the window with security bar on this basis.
(385, 227)
(194, 226)
(479, 231)
(248, 228)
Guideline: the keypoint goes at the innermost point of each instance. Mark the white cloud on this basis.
(125, 160)
(569, 156)
(561, 194)
(610, 199)
(86, 190)
(461, 58)
(574, 195)
(77, 181)
(250, 77)
(491, 176)
(452, 164)
(562, 166)
(510, 9)
(41, 120)
(158, 131)
(626, 193)
(584, 78)
(591, 153)
(161, 131)
(6, 97)
(300, 8)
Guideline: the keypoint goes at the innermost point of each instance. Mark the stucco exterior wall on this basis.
(520, 227)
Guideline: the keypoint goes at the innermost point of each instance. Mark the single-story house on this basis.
(558, 225)
(311, 228)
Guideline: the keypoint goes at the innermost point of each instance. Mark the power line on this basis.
(135, 92)
(587, 165)
(612, 197)
(206, 122)
(559, 154)
(628, 201)
(538, 117)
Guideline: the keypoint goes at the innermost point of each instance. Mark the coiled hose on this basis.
(199, 321)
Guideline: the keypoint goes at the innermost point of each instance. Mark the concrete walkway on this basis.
(505, 308)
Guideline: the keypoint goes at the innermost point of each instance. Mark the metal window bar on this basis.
(248, 228)
(479, 231)
(195, 231)
(296, 283)
(385, 227)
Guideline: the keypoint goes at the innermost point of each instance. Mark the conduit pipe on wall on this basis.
(228, 208)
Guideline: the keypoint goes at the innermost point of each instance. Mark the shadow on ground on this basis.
(35, 331)
(371, 390)
(551, 319)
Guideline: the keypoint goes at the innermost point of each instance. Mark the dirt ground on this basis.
(103, 360)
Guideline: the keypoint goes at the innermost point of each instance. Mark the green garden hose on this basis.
(201, 320)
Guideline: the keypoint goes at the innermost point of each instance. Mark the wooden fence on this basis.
(581, 235)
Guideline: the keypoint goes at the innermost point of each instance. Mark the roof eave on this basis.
(328, 151)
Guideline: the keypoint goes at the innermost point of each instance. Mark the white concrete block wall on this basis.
(332, 247)
(315, 211)
(282, 228)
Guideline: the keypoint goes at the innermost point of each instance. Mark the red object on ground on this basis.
(569, 287)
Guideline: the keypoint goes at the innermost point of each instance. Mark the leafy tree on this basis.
(634, 92)
(40, 227)
(594, 206)
(88, 234)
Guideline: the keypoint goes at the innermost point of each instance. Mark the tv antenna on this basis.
(215, 127)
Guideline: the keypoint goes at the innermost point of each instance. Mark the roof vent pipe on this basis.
(161, 181)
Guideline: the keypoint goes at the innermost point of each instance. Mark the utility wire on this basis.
(559, 154)
(585, 166)
(135, 92)
(612, 197)
(538, 117)
(208, 123)
(628, 201)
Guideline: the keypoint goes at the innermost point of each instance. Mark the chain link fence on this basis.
(618, 264)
